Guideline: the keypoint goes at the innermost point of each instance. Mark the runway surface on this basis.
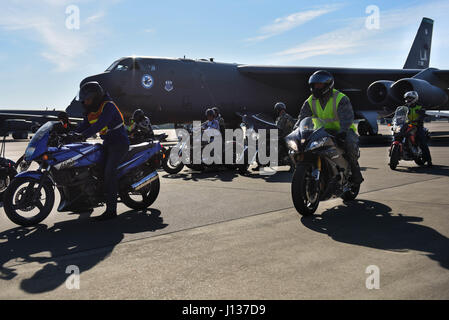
(219, 235)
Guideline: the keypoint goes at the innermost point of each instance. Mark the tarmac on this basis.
(219, 235)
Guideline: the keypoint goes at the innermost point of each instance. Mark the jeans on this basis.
(422, 140)
(114, 153)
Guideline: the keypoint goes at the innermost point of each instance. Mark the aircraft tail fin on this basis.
(419, 55)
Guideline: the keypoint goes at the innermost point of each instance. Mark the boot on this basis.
(356, 176)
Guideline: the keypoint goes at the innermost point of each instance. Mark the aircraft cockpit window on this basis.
(113, 65)
(125, 65)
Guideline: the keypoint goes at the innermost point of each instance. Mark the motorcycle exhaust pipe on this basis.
(145, 181)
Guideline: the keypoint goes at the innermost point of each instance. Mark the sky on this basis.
(46, 50)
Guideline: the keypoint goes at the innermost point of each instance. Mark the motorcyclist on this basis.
(210, 125)
(284, 121)
(337, 114)
(140, 124)
(285, 124)
(102, 115)
(211, 122)
(416, 117)
(220, 120)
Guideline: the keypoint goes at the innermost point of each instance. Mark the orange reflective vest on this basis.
(92, 117)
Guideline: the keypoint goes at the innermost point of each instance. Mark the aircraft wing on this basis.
(346, 79)
(438, 113)
(31, 117)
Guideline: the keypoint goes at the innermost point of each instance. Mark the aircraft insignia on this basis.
(147, 81)
(168, 85)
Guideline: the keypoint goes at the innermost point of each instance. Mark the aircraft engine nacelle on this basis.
(429, 95)
(379, 93)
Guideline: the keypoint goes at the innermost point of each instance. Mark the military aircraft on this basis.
(179, 90)
(21, 122)
(174, 90)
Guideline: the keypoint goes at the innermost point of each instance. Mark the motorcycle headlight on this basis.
(293, 145)
(396, 129)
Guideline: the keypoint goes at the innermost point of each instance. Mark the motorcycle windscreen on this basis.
(38, 144)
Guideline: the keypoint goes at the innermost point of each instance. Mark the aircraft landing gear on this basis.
(20, 135)
(364, 129)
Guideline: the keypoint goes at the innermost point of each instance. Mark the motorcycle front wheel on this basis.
(24, 204)
(394, 157)
(141, 199)
(305, 194)
(351, 194)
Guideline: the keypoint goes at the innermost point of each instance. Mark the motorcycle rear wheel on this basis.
(302, 182)
(169, 167)
(420, 162)
(148, 194)
(16, 198)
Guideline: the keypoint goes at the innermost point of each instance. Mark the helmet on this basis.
(321, 83)
(63, 116)
(138, 115)
(216, 110)
(278, 107)
(411, 97)
(91, 90)
(210, 113)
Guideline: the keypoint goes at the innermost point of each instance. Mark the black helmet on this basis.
(63, 116)
(210, 113)
(138, 115)
(91, 90)
(325, 79)
(216, 110)
(278, 107)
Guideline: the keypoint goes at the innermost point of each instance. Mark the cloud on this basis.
(356, 38)
(46, 24)
(95, 17)
(284, 24)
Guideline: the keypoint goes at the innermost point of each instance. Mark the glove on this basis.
(341, 137)
(78, 136)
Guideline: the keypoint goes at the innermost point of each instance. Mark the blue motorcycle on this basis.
(76, 169)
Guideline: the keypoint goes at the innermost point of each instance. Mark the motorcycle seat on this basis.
(136, 148)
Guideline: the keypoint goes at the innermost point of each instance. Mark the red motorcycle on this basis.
(405, 144)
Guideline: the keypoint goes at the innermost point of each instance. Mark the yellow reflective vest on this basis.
(328, 115)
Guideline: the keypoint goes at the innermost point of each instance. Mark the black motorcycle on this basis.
(182, 153)
(322, 172)
(7, 170)
(253, 123)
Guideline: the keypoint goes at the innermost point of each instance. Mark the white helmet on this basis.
(411, 97)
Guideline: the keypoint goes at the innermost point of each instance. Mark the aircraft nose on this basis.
(100, 78)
